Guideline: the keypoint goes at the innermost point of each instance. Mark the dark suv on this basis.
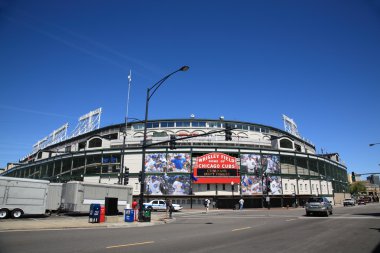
(320, 205)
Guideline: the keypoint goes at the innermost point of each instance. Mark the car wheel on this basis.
(4, 213)
(16, 213)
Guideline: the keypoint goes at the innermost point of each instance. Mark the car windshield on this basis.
(315, 200)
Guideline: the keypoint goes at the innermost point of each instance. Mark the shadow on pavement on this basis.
(368, 214)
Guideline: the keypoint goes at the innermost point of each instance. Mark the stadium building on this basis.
(188, 160)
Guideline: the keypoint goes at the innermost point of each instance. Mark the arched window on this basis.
(95, 143)
(285, 143)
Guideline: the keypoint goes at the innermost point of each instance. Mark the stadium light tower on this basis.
(149, 93)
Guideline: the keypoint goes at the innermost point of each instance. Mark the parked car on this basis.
(348, 202)
(160, 204)
(361, 202)
(318, 205)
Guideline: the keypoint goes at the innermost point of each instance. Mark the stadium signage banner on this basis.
(216, 168)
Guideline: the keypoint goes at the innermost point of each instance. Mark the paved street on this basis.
(350, 229)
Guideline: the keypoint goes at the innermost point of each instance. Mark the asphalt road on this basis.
(349, 229)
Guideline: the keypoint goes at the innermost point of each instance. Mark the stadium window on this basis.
(152, 125)
(138, 126)
(95, 143)
(199, 124)
(182, 124)
(208, 187)
(285, 143)
(167, 124)
(68, 149)
(298, 147)
(213, 124)
(257, 129)
(286, 186)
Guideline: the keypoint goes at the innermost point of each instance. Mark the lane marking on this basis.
(238, 229)
(290, 219)
(130, 244)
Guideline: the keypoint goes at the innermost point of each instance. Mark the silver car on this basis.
(319, 205)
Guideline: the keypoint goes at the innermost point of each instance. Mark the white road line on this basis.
(128, 245)
(239, 229)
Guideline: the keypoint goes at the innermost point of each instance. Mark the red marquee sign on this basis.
(216, 168)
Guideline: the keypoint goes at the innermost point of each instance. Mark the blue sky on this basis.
(316, 61)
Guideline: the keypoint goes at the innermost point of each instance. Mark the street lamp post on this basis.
(232, 190)
(149, 94)
(295, 196)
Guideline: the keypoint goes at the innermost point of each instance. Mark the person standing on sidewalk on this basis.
(241, 203)
(135, 209)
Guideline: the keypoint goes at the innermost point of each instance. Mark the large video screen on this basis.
(271, 164)
(167, 184)
(178, 184)
(155, 185)
(275, 185)
(250, 185)
(250, 163)
(155, 162)
(179, 162)
(172, 162)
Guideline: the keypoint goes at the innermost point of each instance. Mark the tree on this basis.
(357, 187)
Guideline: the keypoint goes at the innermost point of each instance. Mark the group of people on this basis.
(207, 203)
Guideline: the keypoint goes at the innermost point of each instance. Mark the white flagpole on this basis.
(129, 89)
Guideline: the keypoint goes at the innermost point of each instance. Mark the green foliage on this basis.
(357, 187)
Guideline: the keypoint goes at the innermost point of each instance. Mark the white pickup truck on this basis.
(160, 204)
(348, 202)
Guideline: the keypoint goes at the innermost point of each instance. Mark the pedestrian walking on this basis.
(168, 204)
(206, 204)
(171, 208)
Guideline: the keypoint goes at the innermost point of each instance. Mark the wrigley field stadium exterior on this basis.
(188, 160)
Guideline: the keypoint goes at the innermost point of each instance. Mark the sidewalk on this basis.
(65, 222)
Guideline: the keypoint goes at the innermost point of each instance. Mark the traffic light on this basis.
(172, 143)
(126, 176)
(228, 132)
(353, 177)
(140, 176)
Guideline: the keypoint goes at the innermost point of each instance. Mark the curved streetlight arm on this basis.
(373, 144)
(159, 83)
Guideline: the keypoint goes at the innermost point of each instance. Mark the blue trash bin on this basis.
(129, 215)
(94, 216)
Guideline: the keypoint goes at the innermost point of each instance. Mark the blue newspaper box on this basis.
(94, 216)
(129, 215)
